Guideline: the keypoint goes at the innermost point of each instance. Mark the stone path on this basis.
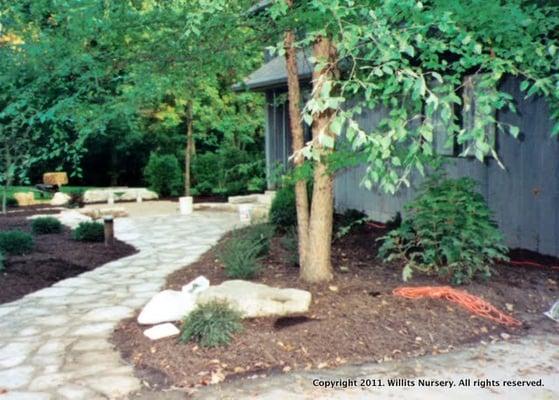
(529, 358)
(54, 342)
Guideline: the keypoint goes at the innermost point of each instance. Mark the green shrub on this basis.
(163, 174)
(15, 242)
(211, 324)
(89, 232)
(2, 260)
(241, 257)
(283, 213)
(449, 231)
(11, 202)
(46, 225)
(349, 220)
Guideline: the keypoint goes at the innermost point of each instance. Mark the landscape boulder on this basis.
(172, 305)
(24, 199)
(55, 178)
(258, 300)
(60, 199)
(118, 194)
(161, 331)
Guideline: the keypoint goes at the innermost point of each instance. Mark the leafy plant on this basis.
(349, 220)
(46, 225)
(241, 256)
(2, 260)
(16, 242)
(89, 232)
(211, 324)
(163, 174)
(448, 230)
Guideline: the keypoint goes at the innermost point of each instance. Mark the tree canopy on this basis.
(413, 58)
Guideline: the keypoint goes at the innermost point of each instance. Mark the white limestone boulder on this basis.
(172, 305)
(161, 331)
(135, 194)
(167, 306)
(118, 194)
(258, 300)
(197, 286)
(60, 199)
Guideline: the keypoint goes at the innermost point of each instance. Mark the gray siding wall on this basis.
(524, 196)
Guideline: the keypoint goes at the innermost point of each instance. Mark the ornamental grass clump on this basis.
(241, 254)
(16, 242)
(241, 258)
(46, 225)
(211, 324)
(449, 231)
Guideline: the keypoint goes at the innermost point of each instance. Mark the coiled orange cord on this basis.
(472, 303)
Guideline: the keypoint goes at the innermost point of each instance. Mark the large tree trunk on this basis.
(318, 268)
(189, 151)
(298, 142)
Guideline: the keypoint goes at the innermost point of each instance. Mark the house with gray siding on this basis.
(524, 196)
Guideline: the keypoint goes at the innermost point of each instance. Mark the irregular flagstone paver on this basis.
(54, 342)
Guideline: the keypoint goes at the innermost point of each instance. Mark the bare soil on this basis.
(354, 319)
(54, 257)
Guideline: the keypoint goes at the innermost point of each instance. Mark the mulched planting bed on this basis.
(354, 319)
(54, 257)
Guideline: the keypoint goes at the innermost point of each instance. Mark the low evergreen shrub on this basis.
(46, 225)
(16, 242)
(89, 232)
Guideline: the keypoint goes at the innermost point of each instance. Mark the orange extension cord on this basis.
(472, 303)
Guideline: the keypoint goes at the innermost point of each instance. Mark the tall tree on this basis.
(298, 141)
(412, 58)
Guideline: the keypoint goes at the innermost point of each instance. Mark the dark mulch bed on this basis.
(54, 257)
(354, 319)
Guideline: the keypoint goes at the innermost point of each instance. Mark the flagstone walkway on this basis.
(54, 342)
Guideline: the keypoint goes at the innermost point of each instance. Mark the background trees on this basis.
(111, 81)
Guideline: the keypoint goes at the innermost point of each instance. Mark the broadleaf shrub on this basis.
(211, 324)
(240, 256)
(283, 213)
(46, 225)
(163, 174)
(2, 260)
(448, 230)
(16, 242)
(89, 232)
